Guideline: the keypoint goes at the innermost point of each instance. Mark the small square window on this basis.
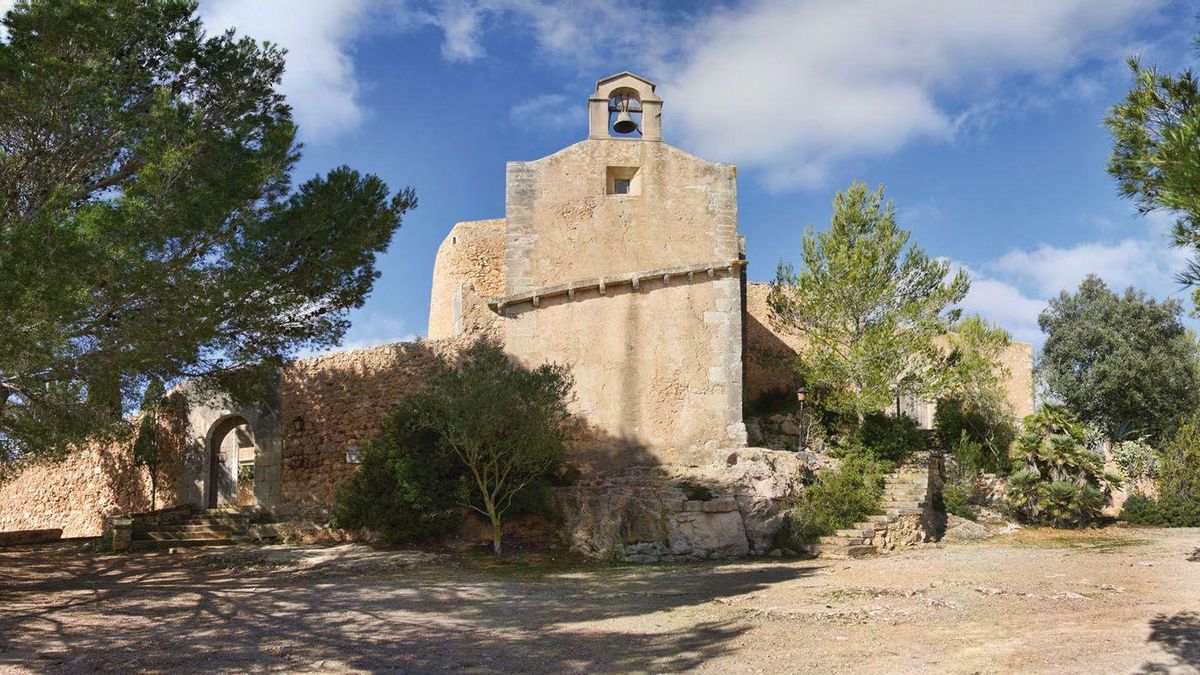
(623, 180)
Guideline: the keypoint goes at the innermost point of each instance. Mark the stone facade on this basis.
(637, 288)
(331, 405)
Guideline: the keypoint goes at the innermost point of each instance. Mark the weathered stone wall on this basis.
(332, 403)
(657, 367)
(471, 257)
(729, 505)
(75, 493)
(770, 353)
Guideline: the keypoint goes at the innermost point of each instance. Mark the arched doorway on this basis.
(231, 462)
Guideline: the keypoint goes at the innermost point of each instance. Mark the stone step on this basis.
(162, 535)
(827, 551)
(858, 532)
(905, 511)
(880, 520)
(210, 522)
(164, 544)
(843, 541)
(870, 526)
(190, 526)
(901, 503)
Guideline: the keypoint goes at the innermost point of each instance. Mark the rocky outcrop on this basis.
(729, 507)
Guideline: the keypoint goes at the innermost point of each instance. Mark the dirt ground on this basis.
(1112, 600)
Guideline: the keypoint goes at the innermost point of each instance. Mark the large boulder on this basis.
(729, 506)
(962, 530)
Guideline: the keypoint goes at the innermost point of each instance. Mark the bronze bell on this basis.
(624, 123)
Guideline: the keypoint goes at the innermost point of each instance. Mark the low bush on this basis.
(1179, 466)
(1136, 459)
(955, 499)
(485, 434)
(1178, 504)
(979, 435)
(407, 488)
(1166, 512)
(837, 499)
(888, 439)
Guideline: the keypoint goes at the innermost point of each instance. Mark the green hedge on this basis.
(1166, 512)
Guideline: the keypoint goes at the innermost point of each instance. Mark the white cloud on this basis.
(787, 86)
(1149, 264)
(579, 32)
(792, 86)
(5, 5)
(549, 111)
(1013, 289)
(1005, 305)
(320, 81)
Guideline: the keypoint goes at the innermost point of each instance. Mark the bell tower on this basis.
(624, 106)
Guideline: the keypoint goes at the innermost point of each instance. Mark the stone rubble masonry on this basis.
(649, 514)
(343, 400)
(77, 492)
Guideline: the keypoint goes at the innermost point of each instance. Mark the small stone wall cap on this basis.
(722, 505)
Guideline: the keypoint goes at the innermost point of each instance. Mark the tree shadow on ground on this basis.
(1179, 636)
(1195, 556)
(71, 611)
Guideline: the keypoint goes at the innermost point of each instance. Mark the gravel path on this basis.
(1112, 600)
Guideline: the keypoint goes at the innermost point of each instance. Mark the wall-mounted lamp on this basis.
(298, 424)
(801, 394)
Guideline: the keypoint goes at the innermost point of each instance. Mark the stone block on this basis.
(721, 505)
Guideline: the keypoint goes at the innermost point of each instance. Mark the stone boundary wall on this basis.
(334, 403)
(76, 493)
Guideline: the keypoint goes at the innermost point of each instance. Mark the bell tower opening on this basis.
(625, 107)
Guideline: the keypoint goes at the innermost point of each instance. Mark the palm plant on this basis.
(1061, 481)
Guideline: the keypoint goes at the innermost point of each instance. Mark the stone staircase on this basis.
(905, 493)
(188, 529)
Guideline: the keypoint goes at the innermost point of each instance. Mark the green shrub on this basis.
(406, 489)
(1179, 468)
(484, 434)
(1136, 459)
(1140, 510)
(955, 499)
(1061, 482)
(987, 425)
(889, 439)
(970, 455)
(1166, 512)
(836, 500)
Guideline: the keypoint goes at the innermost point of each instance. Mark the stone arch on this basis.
(225, 443)
(211, 419)
(630, 100)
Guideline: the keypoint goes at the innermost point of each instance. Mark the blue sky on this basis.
(983, 119)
